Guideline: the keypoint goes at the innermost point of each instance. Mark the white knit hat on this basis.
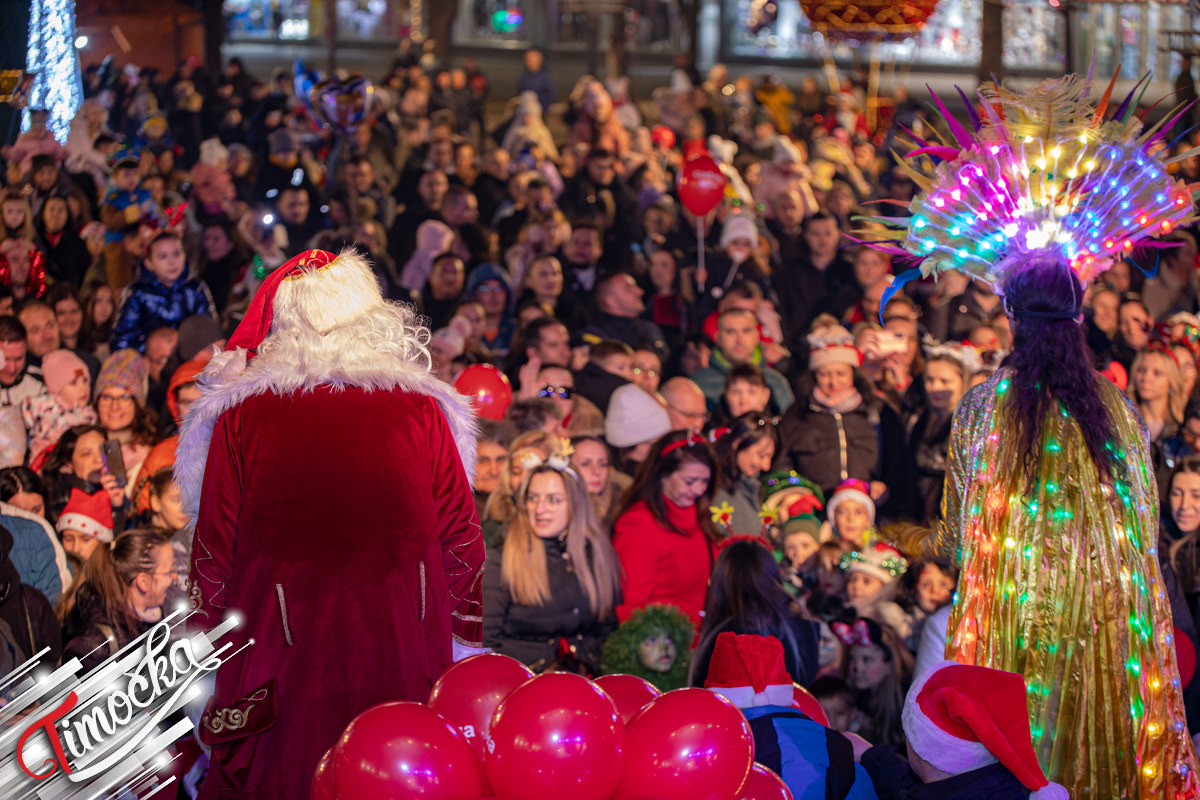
(739, 226)
(832, 344)
(960, 717)
(634, 417)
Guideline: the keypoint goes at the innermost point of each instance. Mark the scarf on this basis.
(841, 403)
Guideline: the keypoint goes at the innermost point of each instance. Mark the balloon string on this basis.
(700, 252)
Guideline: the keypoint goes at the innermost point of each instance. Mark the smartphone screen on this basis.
(114, 462)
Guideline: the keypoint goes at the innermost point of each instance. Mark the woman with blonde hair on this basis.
(527, 451)
(556, 576)
(1156, 388)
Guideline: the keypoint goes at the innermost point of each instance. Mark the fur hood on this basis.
(331, 327)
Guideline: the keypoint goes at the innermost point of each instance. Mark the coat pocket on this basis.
(421, 582)
(283, 614)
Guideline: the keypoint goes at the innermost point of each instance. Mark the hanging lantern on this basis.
(884, 20)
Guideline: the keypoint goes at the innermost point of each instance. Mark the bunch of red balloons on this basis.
(490, 728)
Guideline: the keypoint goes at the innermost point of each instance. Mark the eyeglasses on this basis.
(171, 572)
(115, 398)
(700, 415)
(563, 392)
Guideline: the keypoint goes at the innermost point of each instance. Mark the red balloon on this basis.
(487, 387)
(467, 694)
(763, 784)
(397, 751)
(701, 185)
(322, 782)
(689, 744)
(662, 136)
(803, 701)
(556, 735)
(629, 692)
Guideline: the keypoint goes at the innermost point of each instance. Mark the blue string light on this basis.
(51, 56)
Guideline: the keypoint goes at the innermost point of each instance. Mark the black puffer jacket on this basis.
(827, 447)
(530, 633)
(28, 615)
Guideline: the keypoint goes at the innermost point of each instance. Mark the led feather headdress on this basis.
(1047, 173)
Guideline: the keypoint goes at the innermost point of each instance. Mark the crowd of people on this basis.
(667, 403)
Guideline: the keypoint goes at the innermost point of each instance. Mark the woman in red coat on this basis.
(664, 535)
(326, 470)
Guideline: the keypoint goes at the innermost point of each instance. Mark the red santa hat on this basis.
(90, 514)
(960, 718)
(256, 323)
(856, 490)
(748, 671)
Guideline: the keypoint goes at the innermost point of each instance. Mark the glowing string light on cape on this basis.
(52, 57)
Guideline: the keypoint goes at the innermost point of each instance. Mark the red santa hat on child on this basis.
(748, 671)
(960, 717)
(852, 489)
(88, 513)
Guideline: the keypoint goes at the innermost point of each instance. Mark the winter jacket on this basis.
(67, 257)
(659, 565)
(148, 304)
(744, 499)
(815, 762)
(530, 633)
(33, 556)
(26, 611)
(827, 447)
(87, 627)
(894, 779)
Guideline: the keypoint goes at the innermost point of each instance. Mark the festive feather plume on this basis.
(1045, 172)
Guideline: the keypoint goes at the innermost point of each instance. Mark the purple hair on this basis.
(1050, 362)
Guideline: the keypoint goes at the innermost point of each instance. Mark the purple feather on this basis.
(1120, 112)
(941, 151)
(970, 110)
(1091, 71)
(918, 139)
(956, 128)
(1168, 126)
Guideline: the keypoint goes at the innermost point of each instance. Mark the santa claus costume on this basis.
(327, 473)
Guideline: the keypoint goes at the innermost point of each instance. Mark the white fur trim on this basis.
(75, 521)
(1051, 791)
(746, 697)
(942, 750)
(857, 495)
(329, 327)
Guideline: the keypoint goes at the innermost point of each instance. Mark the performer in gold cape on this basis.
(1050, 504)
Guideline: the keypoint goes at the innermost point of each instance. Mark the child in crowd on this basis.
(927, 586)
(162, 296)
(968, 737)
(837, 701)
(49, 416)
(877, 668)
(872, 580)
(746, 390)
(814, 762)
(852, 513)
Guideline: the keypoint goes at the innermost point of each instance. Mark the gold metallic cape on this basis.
(1063, 587)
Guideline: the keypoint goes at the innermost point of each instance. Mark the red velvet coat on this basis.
(340, 523)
